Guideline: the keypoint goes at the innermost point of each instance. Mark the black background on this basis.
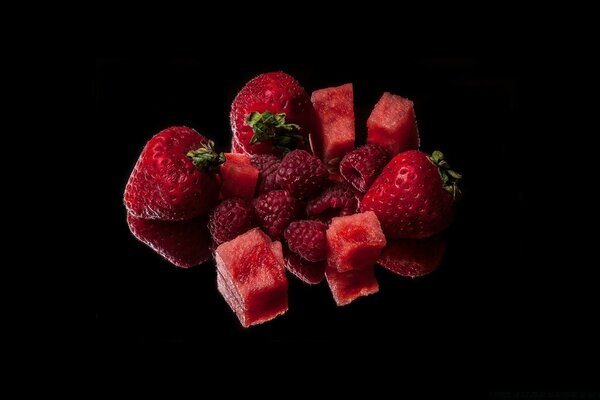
(493, 304)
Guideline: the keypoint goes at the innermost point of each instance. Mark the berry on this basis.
(413, 257)
(275, 210)
(272, 114)
(335, 201)
(302, 174)
(361, 167)
(174, 177)
(307, 239)
(414, 195)
(230, 218)
(268, 165)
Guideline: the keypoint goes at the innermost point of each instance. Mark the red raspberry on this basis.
(335, 201)
(307, 239)
(275, 210)
(360, 167)
(230, 218)
(268, 165)
(301, 174)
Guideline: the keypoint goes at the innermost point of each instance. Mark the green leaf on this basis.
(269, 127)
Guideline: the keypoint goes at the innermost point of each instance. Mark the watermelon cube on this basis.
(348, 286)
(393, 125)
(239, 176)
(251, 277)
(354, 242)
(333, 135)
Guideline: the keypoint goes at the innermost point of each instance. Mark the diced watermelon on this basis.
(393, 125)
(348, 286)
(308, 272)
(182, 243)
(251, 277)
(333, 135)
(239, 176)
(354, 242)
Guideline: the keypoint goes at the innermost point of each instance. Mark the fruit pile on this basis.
(295, 194)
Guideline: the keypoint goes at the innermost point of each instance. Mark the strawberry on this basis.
(414, 196)
(182, 243)
(174, 177)
(272, 114)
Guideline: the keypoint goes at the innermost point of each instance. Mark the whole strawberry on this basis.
(302, 174)
(272, 114)
(414, 196)
(174, 177)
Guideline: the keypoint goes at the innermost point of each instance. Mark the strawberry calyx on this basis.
(449, 177)
(272, 127)
(206, 158)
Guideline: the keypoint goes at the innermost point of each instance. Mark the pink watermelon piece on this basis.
(333, 135)
(308, 272)
(348, 286)
(251, 277)
(239, 176)
(182, 243)
(354, 242)
(393, 125)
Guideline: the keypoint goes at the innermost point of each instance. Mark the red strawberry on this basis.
(230, 218)
(275, 210)
(301, 174)
(174, 177)
(335, 201)
(183, 243)
(414, 195)
(360, 167)
(413, 257)
(307, 239)
(268, 165)
(271, 115)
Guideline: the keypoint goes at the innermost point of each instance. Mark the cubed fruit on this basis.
(307, 271)
(333, 135)
(251, 277)
(239, 176)
(348, 286)
(354, 242)
(393, 125)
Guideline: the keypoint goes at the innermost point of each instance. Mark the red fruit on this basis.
(268, 165)
(335, 201)
(307, 239)
(182, 243)
(413, 257)
(301, 174)
(360, 167)
(308, 272)
(275, 210)
(174, 177)
(238, 176)
(354, 242)
(414, 195)
(392, 124)
(348, 286)
(251, 277)
(334, 120)
(271, 115)
(230, 218)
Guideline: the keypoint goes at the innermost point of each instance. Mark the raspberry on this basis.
(229, 219)
(335, 201)
(268, 165)
(307, 239)
(275, 210)
(301, 174)
(360, 167)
